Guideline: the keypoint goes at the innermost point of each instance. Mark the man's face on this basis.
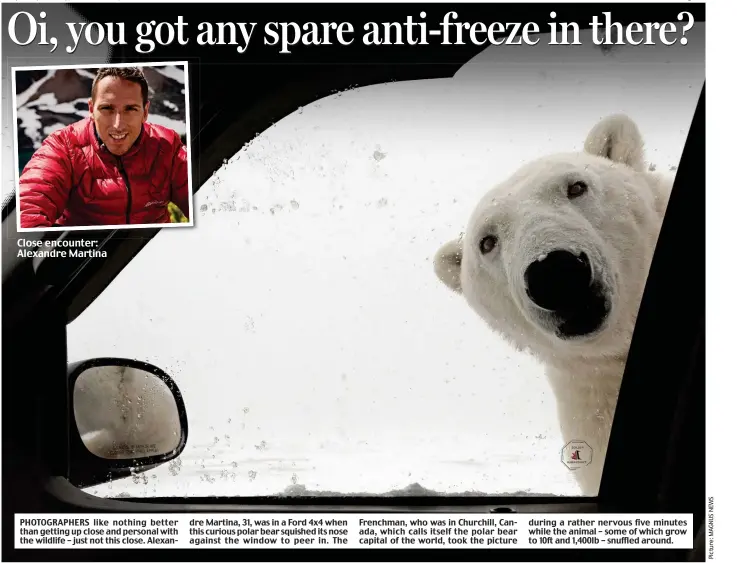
(118, 111)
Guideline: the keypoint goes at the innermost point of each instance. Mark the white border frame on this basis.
(16, 156)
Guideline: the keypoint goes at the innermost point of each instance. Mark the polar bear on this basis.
(122, 412)
(555, 259)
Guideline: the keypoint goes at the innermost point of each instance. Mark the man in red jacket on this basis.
(111, 168)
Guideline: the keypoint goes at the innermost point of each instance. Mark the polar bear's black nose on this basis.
(562, 283)
(558, 281)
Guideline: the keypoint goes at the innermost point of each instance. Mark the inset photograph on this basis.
(102, 146)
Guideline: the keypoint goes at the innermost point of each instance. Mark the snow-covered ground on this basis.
(301, 317)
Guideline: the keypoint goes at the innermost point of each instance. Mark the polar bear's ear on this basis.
(617, 138)
(447, 264)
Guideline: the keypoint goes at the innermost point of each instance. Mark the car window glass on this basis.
(301, 318)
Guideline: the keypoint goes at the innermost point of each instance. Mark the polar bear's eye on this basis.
(487, 244)
(576, 189)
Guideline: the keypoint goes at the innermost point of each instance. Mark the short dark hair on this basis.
(130, 73)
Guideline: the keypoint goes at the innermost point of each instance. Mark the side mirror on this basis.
(125, 416)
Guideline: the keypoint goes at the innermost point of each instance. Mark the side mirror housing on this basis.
(125, 417)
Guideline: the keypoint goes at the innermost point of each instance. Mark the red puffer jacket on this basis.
(73, 180)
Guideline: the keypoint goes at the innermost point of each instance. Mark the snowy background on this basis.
(47, 100)
(301, 317)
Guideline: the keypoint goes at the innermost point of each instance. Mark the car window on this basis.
(301, 318)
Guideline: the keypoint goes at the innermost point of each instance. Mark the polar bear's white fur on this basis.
(122, 412)
(555, 259)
